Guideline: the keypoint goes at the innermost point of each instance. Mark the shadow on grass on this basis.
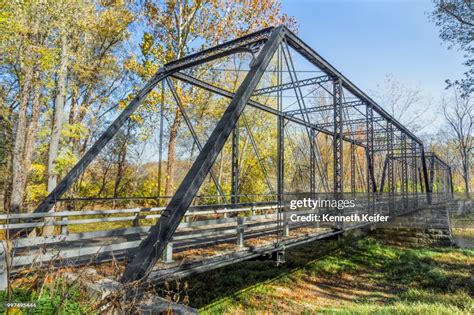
(208, 287)
(356, 273)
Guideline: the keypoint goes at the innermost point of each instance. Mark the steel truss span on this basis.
(329, 138)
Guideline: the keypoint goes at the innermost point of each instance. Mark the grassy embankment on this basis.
(351, 278)
(463, 224)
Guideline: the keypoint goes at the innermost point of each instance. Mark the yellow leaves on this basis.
(36, 192)
(123, 103)
(136, 118)
(75, 131)
(147, 43)
(48, 57)
(37, 169)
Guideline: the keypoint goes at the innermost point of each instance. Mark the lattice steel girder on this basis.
(235, 165)
(361, 132)
(310, 110)
(250, 43)
(338, 124)
(222, 92)
(414, 177)
(353, 166)
(361, 121)
(152, 247)
(404, 179)
(371, 183)
(432, 168)
(391, 186)
(292, 85)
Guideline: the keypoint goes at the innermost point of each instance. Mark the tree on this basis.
(459, 114)
(179, 27)
(401, 101)
(26, 58)
(455, 18)
(54, 56)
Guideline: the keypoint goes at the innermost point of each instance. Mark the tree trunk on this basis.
(8, 132)
(17, 189)
(466, 174)
(58, 117)
(120, 167)
(170, 166)
(31, 132)
(59, 102)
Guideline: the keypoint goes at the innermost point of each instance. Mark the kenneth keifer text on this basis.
(354, 217)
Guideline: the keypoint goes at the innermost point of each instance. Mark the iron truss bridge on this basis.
(327, 138)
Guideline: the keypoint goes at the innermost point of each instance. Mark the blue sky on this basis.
(367, 39)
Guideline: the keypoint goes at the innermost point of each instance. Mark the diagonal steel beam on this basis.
(302, 105)
(257, 155)
(152, 247)
(48, 203)
(193, 134)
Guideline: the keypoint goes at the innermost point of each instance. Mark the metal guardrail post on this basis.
(286, 225)
(240, 232)
(64, 226)
(168, 253)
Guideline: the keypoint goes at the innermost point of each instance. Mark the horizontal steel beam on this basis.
(361, 132)
(292, 85)
(350, 122)
(248, 43)
(324, 108)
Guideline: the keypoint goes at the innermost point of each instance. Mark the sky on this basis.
(368, 39)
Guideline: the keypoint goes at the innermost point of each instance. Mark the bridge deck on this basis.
(207, 239)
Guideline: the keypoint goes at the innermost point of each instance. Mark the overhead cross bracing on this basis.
(324, 135)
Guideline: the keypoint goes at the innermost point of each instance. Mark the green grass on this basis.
(357, 277)
(54, 298)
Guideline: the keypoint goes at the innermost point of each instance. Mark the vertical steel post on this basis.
(369, 157)
(371, 184)
(451, 182)
(160, 141)
(390, 181)
(432, 175)
(404, 179)
(353, 179)
(312, 160)
(414, 173)
(281, 155)
(235, 165)
(337, 138)
(425, 175)
(338, 174)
